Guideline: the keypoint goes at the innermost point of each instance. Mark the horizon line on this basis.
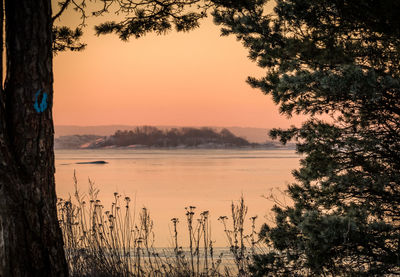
(161, 125)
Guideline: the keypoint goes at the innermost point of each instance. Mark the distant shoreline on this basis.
(260, 147)
(148, 137)
(252, 134)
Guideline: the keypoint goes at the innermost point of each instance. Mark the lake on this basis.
(167, 181)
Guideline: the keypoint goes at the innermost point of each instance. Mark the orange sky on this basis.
(184, 79)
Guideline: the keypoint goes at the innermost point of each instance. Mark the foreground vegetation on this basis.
(339, 59)
(100, 242)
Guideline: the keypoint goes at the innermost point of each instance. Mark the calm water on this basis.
(166, 181)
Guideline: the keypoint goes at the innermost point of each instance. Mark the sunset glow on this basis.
(183, 79)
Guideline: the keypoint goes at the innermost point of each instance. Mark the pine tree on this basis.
(336, 61)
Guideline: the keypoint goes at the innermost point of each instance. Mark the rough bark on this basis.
(30, 238)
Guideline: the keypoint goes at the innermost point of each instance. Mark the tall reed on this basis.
(112, 242)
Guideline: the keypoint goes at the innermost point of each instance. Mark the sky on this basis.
(179, 79)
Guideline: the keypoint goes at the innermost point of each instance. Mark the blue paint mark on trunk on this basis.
(43, 104)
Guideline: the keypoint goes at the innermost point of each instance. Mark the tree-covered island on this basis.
(152, 137)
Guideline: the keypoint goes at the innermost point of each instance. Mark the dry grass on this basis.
(100, 242)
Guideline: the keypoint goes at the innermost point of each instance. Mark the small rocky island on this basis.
(152, 137)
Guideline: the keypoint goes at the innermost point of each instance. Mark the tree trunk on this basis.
(30, 238)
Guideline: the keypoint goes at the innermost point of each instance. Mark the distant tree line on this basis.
(191, 137)
(75, 141)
